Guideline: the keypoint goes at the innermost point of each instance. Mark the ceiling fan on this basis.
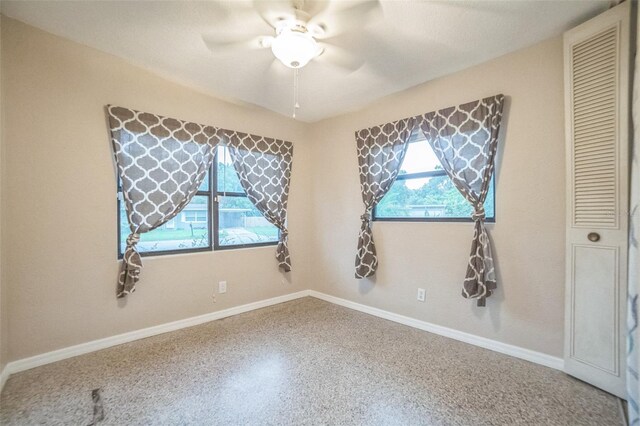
(301, 30)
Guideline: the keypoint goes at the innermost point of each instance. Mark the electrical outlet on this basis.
(422, 294)
(222, 287)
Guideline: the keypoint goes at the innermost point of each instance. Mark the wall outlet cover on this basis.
(422, 294)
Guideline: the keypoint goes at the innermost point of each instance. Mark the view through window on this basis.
(424, 192)
(239, 223)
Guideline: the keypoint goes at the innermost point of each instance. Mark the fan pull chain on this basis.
(296, 86)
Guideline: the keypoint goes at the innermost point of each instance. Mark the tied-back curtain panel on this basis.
(161, 163)
(465, 140)
(381, 150)
(264, 168)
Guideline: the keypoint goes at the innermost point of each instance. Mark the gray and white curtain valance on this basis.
(264, 168)
(465, 140)
(381, 150)
(161, 163)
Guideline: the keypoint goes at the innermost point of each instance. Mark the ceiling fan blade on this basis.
(314, 7)
(339, 20)
(339, 57)
(224, 47)
(272, 11)
(278, 70)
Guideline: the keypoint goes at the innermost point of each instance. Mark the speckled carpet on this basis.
(301, 362)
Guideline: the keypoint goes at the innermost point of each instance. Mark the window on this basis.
(219, 216)
(187, 232)
(424, 192)
(195, 216)
(239, 223)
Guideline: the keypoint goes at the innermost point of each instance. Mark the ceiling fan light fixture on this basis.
(294, 48)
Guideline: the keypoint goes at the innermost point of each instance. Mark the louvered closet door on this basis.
(597, 102)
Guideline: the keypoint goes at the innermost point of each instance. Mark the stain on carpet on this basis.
(98, 407)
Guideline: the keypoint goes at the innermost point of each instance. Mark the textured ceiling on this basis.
(408, 43)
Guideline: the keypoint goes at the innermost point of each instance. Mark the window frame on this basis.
(418, 137)
(208, 247)
(216, 213)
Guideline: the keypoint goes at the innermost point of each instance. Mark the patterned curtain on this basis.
(264, 168)
(633, 355)
(381, 150)
(465, 140)
(161, 162)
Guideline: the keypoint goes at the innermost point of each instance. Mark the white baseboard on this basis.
(483, 342)
(95, 345)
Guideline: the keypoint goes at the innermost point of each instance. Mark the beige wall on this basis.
(58, 190)
(60, 193)
(527, 310)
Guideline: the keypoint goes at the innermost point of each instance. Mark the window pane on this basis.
(187, 231)
(428, 197)
(419, 158)
(227, 177)
(239, 222)
(204, 186)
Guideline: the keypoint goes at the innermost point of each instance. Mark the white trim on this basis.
(483, 342)
(95, 345)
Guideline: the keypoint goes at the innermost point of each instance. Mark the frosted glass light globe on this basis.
(294, 48)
